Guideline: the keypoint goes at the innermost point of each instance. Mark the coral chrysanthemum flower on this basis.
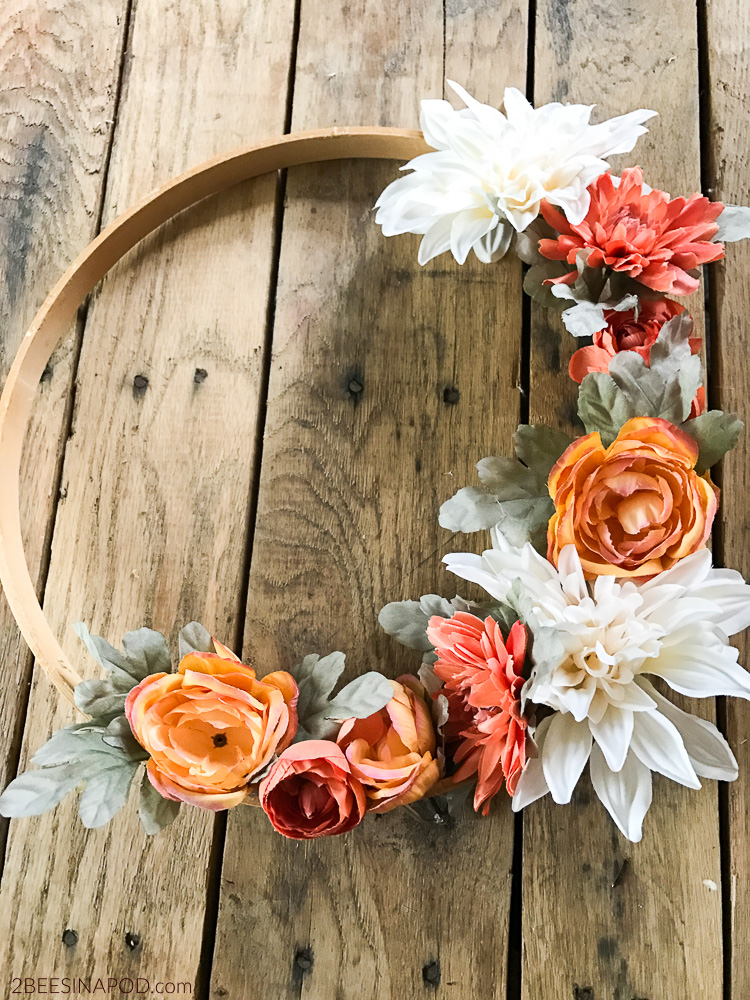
(482, 677)
(646, 235)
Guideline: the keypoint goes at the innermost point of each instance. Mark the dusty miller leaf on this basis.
(320, 716)
(106, 792)
(144, 652)
(716, 433)
(540, 447)
(194, 638)
(734, 224)
(407, 621)
(665, 388)
(514, 498)
(154, 810)
(35, 792)
(103, 697)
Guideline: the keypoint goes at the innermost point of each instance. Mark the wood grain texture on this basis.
(654, 930)
(387, 383)
(157, 472)
(728, 87)
(59, 69)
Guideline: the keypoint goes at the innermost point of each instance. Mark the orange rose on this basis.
(393, 751)
(211, 726)
(632, 509)
(311, 792)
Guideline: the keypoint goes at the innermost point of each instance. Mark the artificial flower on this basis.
(629, 330)
(490, 171)
(632, 509)
(311, 792)
(646, 235)
(612, 635)
(482, 676)
(211, 727)
(393, 751)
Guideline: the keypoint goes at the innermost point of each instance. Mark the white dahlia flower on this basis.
(491, 171)
(613, 634)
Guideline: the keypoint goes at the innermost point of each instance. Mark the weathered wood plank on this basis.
(157, 473)
(388, 382)
(728, 64)
(59, 68)
(654, 930)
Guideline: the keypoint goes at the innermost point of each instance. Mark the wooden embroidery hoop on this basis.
(59, 309)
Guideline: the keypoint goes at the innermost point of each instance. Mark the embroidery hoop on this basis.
(59, 309)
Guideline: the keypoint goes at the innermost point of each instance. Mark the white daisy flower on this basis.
(613, 635)
(491, 171)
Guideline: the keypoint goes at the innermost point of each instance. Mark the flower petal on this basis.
(699, 663)
(532, 784)
(626, 795)
(566, 749)
(709, 753)
(612, 733)
(657, 744)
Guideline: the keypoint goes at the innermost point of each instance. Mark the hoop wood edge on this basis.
(59, 309)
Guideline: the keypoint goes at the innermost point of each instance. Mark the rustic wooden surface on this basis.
(271, 401)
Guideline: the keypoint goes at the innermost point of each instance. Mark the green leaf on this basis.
(734, 224)
(320, 716)
(103, 698)
(665, 388)
(540, 447)
(515, 498)
(716, 433)
(194, 638)
(534, 283)
(144, 652)
(584, 319)
(36, 792)
(407, 621)
(154, 810)
(316, 678)
(106, 792)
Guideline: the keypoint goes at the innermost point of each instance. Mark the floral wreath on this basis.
(598, 579)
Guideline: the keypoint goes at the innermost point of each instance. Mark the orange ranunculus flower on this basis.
(483, 677)
(311, 792)
(632, 509)
(211, 726)
(393, 751)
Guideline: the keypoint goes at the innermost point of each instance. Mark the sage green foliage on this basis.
(320, 714)
(514, 497)
(101, 754)
(665, 388)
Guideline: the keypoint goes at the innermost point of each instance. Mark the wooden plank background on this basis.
(254, 422)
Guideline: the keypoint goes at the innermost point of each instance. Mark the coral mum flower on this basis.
(393, 751)
(211, 726)
(482, 677)
(635, 508)
(648, 236)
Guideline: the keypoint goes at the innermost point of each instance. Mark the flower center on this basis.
(219, 740)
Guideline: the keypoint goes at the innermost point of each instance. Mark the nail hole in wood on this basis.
(431, 973)
(132, 940)
(583, 992)
(304, 959)
(140, 384)
(451, 395)
(200, 376)
(69, 938)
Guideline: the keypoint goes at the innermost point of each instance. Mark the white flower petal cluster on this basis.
(614, 634)
(490, 171)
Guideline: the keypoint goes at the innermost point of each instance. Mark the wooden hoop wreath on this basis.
(61, 305)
